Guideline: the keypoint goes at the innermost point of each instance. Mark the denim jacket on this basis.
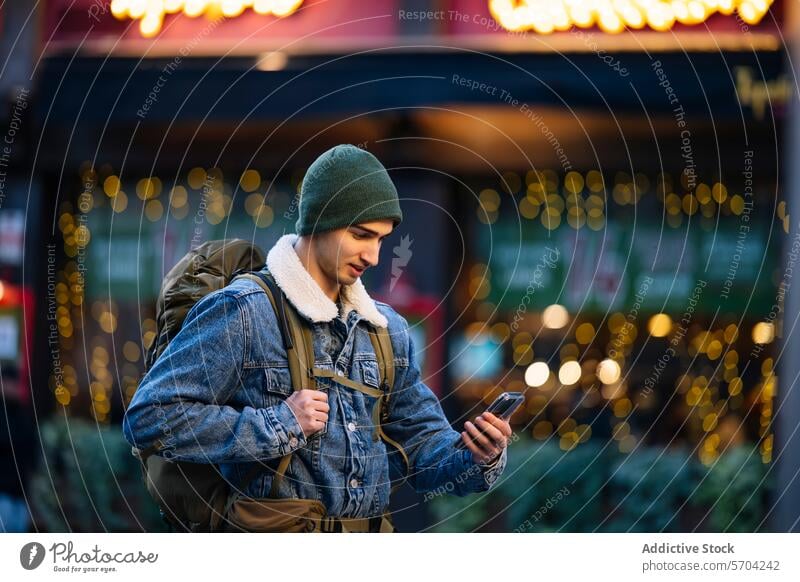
(218, 395)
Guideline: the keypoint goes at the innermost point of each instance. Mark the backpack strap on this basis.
(382, 344)
(298, 353)
(301, 362)
(299, 343)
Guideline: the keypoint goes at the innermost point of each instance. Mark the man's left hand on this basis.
(487, 437)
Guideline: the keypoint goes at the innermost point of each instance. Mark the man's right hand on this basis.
(311, 409)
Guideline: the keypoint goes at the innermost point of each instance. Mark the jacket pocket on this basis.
(369, 373)
(278, 387)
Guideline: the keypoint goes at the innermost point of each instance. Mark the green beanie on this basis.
(345, 186)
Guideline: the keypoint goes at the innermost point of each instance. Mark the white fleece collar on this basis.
(307, 296)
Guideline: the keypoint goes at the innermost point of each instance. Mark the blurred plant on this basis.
(647, 487)
(535, 473)
(88, 481)
(737, 486)
(544, 469)
(651, 489)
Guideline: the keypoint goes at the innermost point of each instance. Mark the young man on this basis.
(222, 391)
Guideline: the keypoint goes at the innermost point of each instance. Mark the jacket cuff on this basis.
(484, 475)
(493, 470)
(287, 428)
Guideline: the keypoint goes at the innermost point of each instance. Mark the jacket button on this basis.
(351, 426)
(293, 442)
(353, 482)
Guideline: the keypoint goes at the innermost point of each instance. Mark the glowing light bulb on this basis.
(569, 373)
(537, 374)
(555, 316)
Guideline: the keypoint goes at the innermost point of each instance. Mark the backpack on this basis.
(195, 496)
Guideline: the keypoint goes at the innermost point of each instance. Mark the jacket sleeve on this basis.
(182, 400)
(418, 423)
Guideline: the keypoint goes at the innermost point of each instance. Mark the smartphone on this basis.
(506, 404)
(502, 407)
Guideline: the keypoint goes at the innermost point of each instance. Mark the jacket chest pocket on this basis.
(367, 372)
(278, 387)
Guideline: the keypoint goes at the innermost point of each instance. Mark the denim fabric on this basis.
(217, 395)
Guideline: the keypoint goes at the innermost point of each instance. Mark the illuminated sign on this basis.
(151, 13)
(761, 95)
(613, 16)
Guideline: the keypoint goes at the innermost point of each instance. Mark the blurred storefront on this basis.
(593, 218)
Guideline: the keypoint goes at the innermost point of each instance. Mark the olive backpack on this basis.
(195, 496)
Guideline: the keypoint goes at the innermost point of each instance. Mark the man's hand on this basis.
(311, 409)
(488, 439)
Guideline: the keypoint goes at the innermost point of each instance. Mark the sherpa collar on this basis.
(307, 296)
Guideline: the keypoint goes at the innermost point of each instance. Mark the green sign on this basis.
(615, 267)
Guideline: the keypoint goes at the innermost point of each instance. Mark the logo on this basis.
(402, 254)
(31, 555)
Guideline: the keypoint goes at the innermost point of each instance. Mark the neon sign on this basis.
(151, 13)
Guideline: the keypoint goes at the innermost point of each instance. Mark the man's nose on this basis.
(370, 256)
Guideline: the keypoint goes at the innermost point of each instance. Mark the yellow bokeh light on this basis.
(569, 373)
(264, 217)
(573, 182)
(111, 186)
(131, 351)
(119, 202)
(62, 395)
(250, 180)
(763, 333)
(490, 200)
(555, 316)
(622, 407)
(614, 16)
(659, 325)
(196, 178)
(536, 374)
(153, 210)
(178, 197)
(608, 371)
(528, 208)
(584, 334)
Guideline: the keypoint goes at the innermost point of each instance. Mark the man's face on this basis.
(344, 254)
